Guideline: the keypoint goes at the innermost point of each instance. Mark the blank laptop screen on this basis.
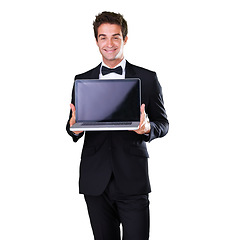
(107, 100)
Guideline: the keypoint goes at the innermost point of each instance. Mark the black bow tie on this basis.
(106, 70)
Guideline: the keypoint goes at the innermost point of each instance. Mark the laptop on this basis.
(107, 104)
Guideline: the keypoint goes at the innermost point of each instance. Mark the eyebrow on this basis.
(104, 35)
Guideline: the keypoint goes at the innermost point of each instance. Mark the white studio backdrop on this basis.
(194, 48)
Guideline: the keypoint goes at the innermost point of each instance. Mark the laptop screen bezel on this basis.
(77, 105)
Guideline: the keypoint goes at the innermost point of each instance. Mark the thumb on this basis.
(143, 108)
(73, 109)
(142, 118)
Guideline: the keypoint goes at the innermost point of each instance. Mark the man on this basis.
(114, 164)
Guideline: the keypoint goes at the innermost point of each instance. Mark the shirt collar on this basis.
(122, 64)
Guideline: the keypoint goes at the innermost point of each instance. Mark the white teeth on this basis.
(110, 50)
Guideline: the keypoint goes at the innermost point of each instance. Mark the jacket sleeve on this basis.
(72, 134)
(156, 112)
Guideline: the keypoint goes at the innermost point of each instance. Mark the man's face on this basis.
(110, 43)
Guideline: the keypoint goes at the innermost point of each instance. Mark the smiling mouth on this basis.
(110, 50)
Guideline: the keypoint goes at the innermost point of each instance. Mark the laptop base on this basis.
(106, 126)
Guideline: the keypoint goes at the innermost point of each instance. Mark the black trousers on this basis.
(109, 210)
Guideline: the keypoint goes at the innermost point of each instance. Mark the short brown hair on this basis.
(112, 18)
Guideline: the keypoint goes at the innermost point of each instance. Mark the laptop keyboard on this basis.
(106, 123)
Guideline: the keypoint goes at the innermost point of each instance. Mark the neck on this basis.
(112, 63)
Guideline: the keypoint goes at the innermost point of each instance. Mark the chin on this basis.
(111, 59)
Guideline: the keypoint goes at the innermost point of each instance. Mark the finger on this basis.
(143, 123)
(78, 132)
(143, 115)
(143, 108)
(140, 128)
(72, 107)
(73, 110)
(72, 121)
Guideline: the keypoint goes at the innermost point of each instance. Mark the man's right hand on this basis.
(73, 118)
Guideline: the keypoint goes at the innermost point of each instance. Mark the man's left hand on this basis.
(144, 126)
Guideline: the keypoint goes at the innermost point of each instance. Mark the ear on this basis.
(125, 40)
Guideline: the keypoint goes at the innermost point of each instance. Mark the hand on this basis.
(144, 126)
(73, 118)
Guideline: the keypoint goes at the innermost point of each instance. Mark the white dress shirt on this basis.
(114, 75)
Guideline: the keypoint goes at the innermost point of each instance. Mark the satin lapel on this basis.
(130, 73)
(95, 72)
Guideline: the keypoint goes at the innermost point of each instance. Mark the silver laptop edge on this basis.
(109, 126)
(77, 127)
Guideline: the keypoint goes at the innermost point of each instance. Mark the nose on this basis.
(110, 43)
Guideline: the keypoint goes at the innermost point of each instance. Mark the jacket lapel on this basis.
(130, 73)
(95, 72)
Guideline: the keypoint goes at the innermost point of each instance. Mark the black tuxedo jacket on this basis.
(121, 153)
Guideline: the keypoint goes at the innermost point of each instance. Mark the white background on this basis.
(194, 48)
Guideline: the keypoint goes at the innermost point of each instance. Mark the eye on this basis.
(101, 37)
